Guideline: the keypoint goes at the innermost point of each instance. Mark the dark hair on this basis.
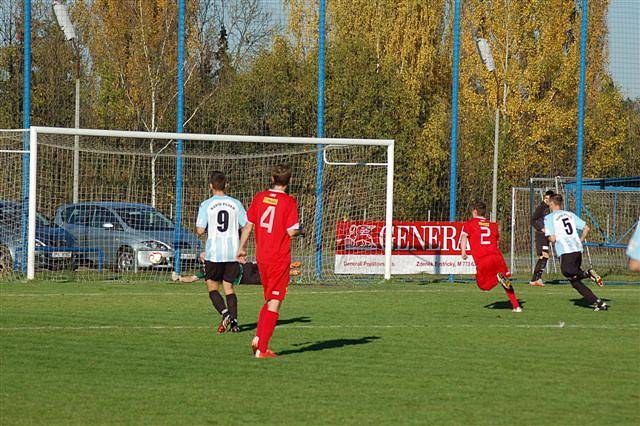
(550, 193)
(218, 181)
(556, 199)
(480, 207)
(281, 174)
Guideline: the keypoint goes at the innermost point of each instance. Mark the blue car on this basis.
(55, 248)
(127, 236)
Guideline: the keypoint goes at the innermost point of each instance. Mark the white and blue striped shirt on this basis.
(565, 226)
(633, 251)
(223, 216)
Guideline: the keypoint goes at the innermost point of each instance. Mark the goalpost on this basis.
(127, 195)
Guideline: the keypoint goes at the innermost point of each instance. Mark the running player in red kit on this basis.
(274, 214)
(491, 269)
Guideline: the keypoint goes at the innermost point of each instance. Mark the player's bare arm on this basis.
(201, 231)
(242, 250)
(294, 232)
(463, 246)
(585, 231)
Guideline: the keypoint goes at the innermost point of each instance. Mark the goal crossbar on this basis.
(209, 137)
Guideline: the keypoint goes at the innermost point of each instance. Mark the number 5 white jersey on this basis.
(223, 216)
(566, 227)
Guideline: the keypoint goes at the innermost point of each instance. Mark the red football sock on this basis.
(270, 319)
(512, 297)
(260, 325)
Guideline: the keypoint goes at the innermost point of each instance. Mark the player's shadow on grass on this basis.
(503, 304)
(252, 326)
(583, 303)
(329, 344)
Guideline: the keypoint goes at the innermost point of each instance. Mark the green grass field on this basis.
(145, 353)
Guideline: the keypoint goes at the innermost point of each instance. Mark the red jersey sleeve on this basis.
(292, 222)
(495, 231)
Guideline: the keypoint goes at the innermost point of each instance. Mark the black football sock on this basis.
(218, 302)
(584, 274)
(584, 291)
(232, 303)
(539, 269)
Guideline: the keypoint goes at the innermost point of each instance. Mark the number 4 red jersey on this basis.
(483, 237)
(273, 213)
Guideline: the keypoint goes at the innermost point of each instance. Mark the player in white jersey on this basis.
(562, 228)
(633, 251)
(221, 217)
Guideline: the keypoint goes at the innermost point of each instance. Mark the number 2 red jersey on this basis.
(483, 237)
(273, 213)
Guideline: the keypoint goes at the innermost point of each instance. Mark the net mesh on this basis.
(126, 204)
(11, 166)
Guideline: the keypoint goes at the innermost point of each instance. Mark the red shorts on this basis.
(275, 279)
(487, 270)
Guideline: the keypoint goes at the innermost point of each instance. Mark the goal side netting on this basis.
(105, 203)
(611, 208)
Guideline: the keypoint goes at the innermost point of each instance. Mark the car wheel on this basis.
(126, 260)
(6, 262)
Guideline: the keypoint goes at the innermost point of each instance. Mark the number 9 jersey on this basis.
(273, 213)
(564, 226)
(223, 216)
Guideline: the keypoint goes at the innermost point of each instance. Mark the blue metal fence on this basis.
(179, 129)
(320, 134)
(26, 123)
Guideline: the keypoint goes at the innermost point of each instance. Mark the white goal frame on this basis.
(34, 131)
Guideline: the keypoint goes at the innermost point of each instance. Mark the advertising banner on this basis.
(418, 247)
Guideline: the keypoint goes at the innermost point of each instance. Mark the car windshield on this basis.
(144, 219)
(11, 216)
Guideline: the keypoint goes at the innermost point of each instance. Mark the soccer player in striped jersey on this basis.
(221, 217)
(633, 251)
(562, 227)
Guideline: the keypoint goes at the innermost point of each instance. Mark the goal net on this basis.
(105, 204)
(611, 208)
(13, 220)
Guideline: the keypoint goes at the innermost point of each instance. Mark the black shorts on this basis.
(221, 271)
(571, 264)
(542, 244)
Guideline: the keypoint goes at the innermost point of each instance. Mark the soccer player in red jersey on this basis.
(491, 269)
(274, 215)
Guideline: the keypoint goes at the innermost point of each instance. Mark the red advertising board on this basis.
(418, 247)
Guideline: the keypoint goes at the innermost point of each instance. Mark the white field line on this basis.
(341, 326)
(292, 292)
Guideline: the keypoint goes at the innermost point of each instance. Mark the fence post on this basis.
(453, 167)
(320, 134)
(179, 129)
(581, 91)
(26, 123)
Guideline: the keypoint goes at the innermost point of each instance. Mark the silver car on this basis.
(127, 236)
